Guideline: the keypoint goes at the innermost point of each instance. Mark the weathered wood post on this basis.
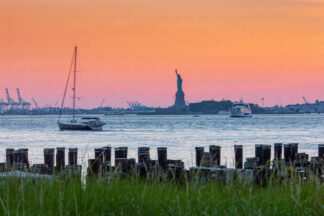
(121, 158)
(301, 160)
(23, 156)
(199, 155)
(266, 155)
(215, 154)
(277, 151)
(143, 154)
(16, 154)
(294, 151)
(238, 152)
(321, 151)
(49, 159)
(258, 153)
(121, 152)
(287, 153)
(60, 158)
(73, 156)
(93, 167)
(9, 157)
(107, 154)
(99, 154)
(163, 157)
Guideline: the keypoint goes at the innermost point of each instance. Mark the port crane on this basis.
(102, 102)
(136, 106)
(21, 102)
(13, 104)
(35, 103)
(306, 102)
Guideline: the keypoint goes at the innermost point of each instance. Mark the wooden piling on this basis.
(162, 157)
(73, 156)
(238, 152)
(23, 156)
(215, 154)
(277, 151)
(16, 156)
(9, 157)
(258, 153)
(287, 153)
(266, 155)
(301, 160)
(321, 151)
(294, 151)
(60, 158)
(49, 159)
(99, 154)
(143, 154)
(121, 152)
(93, 167)
(107, 154)
(199, 155)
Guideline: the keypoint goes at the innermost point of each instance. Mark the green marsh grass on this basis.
(135, 196)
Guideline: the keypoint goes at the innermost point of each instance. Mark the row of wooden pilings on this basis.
(209, 161)
(17, 159)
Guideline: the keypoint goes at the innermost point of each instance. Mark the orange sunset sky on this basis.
(128, 50)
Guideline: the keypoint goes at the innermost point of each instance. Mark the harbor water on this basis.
(180, 133)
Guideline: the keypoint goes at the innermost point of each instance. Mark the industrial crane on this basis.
(135, 105)
(11, 102)
(24, 105)
(35, 103)
(306, 102)
(102, 102)
(20, 100)
(130, 106)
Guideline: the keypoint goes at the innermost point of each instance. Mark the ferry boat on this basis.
(83, 123)
(241, 109)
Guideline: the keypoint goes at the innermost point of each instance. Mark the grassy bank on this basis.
(137, 197)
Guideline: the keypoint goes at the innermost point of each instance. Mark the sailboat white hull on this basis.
(76, 126)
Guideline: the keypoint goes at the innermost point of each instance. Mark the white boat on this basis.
(241, 109)
(83, 123)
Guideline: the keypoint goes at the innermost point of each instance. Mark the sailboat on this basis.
(83, 123)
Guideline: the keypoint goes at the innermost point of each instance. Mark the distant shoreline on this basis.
(159, 114)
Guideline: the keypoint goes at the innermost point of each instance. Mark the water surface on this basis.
(179, 133)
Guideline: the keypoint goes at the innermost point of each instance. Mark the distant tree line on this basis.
(211, 106)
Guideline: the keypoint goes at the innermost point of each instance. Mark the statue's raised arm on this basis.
(179, 81)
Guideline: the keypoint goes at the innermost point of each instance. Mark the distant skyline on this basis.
(128, 50)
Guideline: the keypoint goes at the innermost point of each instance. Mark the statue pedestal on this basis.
(180, 101)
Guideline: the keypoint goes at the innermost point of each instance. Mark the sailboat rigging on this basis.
(85, 123)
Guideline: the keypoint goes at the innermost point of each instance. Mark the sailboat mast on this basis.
(74, 81)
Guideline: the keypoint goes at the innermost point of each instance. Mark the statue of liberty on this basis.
(179, 96)
(179, 81)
